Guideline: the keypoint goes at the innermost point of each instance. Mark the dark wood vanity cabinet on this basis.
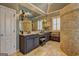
(35, 42)
(28, 43)
(55, 36)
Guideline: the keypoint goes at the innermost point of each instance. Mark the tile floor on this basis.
(51, 48)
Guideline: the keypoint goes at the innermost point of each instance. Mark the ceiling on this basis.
(44, 8)
(56, 6)
(50, 7)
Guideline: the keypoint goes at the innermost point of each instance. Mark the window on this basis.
(56, 23)
(40, 24)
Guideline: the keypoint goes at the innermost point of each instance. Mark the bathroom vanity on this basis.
(30, 41)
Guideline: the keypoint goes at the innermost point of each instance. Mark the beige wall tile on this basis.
(70, 29)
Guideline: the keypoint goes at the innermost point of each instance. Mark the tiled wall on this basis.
(70, 29)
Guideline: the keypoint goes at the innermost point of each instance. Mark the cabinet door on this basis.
(29, 44)
(2, 30)
(36, 42)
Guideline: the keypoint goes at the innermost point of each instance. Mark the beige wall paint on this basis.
(11, 5)
(70, 29)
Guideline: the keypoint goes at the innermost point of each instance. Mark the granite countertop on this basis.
(25, 33)
(34, 32)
